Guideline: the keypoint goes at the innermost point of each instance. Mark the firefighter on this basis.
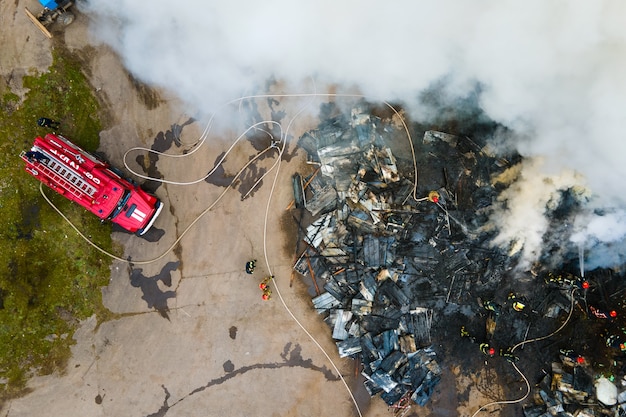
(508, 355)
(517, 303)
(433, 197)
(484, 347)
(250, 265)
(487, 349)
(267, 294)
(465, 333)
(616, 342)
(491, 306)
(45, 122)
(265, 283)
(36, 156)
(571, 357)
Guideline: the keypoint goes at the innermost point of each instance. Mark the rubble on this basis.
(390, 259)
(570, 390)
(353, 249)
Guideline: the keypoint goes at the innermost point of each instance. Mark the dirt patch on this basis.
(150, 97)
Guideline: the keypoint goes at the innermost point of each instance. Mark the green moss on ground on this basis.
(49, 277)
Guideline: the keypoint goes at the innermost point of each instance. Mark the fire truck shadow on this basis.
(154, 234)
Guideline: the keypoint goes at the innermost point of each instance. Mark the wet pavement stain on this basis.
(219, 177)
(245, 181)
(249, 179)
(228, 366)
(152, 294)
(277, 116)
(232, 332)
(292, 358)
(163, 141)
(260, 139)
(148, 95)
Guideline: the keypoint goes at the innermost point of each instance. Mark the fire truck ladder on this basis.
(65, 177)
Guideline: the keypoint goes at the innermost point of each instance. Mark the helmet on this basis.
(517, 306)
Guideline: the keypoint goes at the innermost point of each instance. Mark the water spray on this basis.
(581, 259)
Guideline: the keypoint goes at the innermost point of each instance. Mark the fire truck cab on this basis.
(90, 182)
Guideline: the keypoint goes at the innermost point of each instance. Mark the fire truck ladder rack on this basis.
(64, 177)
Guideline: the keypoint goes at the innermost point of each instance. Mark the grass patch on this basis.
(49, 277)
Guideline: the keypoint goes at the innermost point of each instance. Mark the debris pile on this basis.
(572, 389)
(397, 269)
(380, 260)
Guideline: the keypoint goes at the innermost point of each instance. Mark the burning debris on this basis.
(374, 250)
(389, 259)
(570, 390)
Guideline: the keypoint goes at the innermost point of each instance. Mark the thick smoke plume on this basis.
(552, 72)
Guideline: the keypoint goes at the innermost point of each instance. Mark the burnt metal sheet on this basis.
(393, 292)
(393, 396)
(315, 232)
(390, 343)
(323, 201)
(393, 362)
(335, 289)
(372, 388)
(298, 191)
(425, 390)
(368, 287)
(361, 221)
(340, 331)
(431, 136)
(371, 251)
(349, 347)
(378, 324)
(325, 302)
(361, 307)
(383, 380)
(418, 324)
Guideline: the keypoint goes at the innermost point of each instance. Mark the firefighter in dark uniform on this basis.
(250, 265)
(517, 303)
(45, 122)
(487, 349)
(36, 156)
(508, 355)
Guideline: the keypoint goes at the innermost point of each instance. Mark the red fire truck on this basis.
(90, 182)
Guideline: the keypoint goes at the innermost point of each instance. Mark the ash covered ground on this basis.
(408, 277)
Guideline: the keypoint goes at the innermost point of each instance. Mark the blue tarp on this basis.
(49, 4)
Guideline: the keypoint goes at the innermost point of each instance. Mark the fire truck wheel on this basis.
(66, 18)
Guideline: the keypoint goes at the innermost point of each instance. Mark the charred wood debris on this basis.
(400, 277)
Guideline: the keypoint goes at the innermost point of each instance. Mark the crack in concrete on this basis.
(292, 358)
(165, 407)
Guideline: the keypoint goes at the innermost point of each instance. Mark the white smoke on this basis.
(553, 72)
